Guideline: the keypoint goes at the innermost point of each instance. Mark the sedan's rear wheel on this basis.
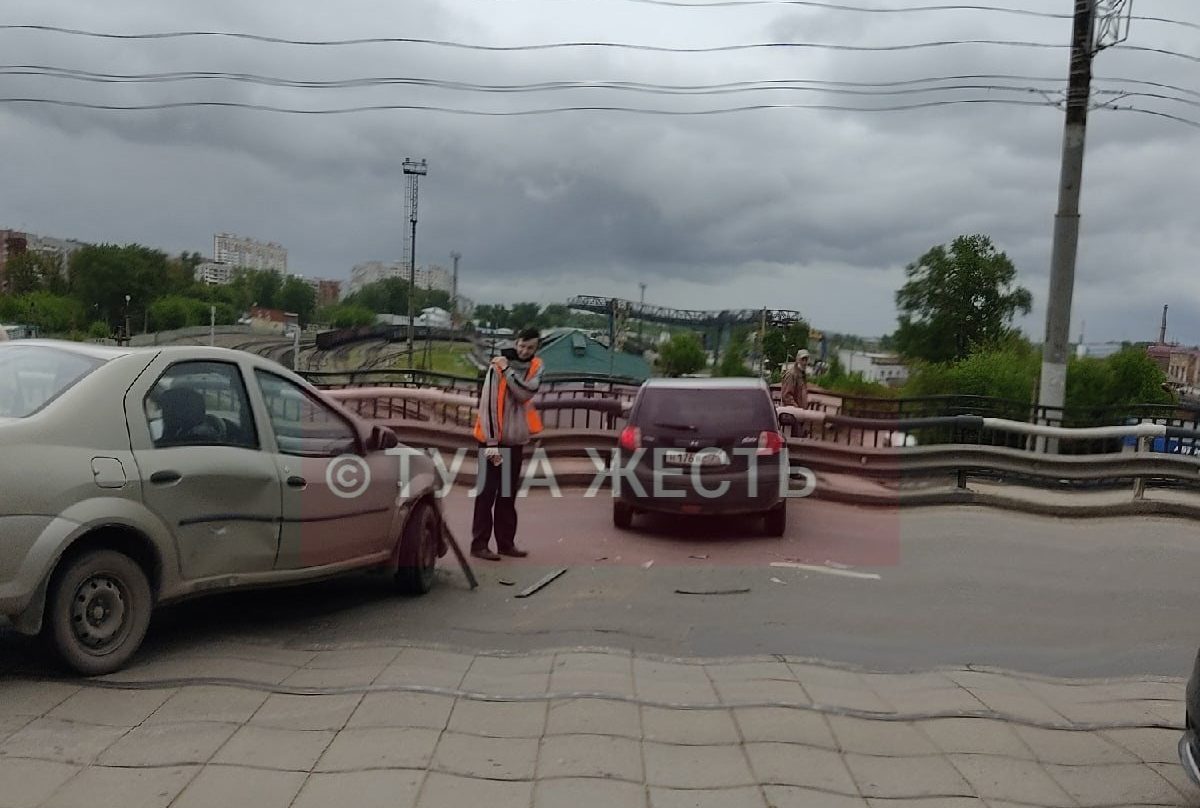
(97, 611)
(419, 549)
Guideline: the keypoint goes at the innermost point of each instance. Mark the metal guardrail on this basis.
(436, 419)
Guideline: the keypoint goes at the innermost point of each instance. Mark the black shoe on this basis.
(485, 553)
(514, 552)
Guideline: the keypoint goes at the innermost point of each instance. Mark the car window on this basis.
(31, 377)
(201, 404)
(706, 410)
(304, 425)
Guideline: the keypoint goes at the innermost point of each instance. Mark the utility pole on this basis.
(1097, 25)
(762, 344)
(413, 171)
(455, 257)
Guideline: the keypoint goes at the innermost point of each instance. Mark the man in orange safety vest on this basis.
(503, 426)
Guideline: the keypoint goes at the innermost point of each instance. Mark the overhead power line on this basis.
(558, 110)
(513, 113)
(454, 44)
(828, 6)
(895, 87)
(702, 4)
(932, 84)
(457, 45)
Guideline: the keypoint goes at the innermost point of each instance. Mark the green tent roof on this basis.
(570, 352)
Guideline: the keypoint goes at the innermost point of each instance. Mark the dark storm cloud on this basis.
(817, 210)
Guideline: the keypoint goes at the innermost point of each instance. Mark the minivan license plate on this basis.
(693, 458)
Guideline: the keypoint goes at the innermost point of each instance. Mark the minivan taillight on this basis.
(631, 438)
(770, 443)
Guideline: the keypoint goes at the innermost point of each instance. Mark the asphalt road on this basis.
(955, 586)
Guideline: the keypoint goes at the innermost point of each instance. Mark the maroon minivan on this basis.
(703, 446)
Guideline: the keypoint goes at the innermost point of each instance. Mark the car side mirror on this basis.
(381, 438)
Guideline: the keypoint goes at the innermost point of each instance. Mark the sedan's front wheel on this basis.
(419, 549)
(98, 611)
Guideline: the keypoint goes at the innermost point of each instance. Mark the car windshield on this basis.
(705, 410)
(31, 377)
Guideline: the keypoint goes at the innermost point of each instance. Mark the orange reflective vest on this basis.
(531, 414)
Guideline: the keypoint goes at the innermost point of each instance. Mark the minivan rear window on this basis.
(706, 410)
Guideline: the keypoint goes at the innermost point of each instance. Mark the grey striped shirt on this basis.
(514, 431)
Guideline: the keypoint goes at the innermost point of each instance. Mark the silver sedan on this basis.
(135, 477)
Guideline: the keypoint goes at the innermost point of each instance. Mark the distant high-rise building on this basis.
(427, 277)
(214, 274)
(370, 272)
(14, 243)
(249, 254)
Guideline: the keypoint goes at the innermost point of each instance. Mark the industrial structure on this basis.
(718, 324)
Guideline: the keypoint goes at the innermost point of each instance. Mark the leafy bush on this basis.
(1124, 379)
(836, 380)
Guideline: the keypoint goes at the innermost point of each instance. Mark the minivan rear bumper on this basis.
(711, 491)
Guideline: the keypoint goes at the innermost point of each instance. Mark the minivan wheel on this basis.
(622, 514)
(419, 549)
(97, 611)
(775, 520)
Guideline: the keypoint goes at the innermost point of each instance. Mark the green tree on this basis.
(103, 275)
(554, 315)
(780, 344)
(957, 300)
(264, 287)
(35, 272)
(298, 297)
(681, 354)
(499, 316)
(733, 359)
(524, 314)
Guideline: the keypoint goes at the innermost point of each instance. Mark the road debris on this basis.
(699, 557)
(738, 591)
(506, 582)
(535, 587)
(601, 558)
(870, 576)
(648, 564)
(778, 581)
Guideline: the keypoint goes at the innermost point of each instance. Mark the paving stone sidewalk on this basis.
(365, 726)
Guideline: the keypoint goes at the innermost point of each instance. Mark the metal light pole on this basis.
(127, 335)
(641, 314)
(414, 171)
(454, 256)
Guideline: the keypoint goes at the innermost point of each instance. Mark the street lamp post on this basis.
(413, 170)
(127, 298)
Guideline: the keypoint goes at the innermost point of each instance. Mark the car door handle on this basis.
(165, 477)
(297, 482)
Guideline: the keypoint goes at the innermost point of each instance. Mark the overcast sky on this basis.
(815, 210)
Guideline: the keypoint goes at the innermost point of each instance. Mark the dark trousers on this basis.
(496, 503)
